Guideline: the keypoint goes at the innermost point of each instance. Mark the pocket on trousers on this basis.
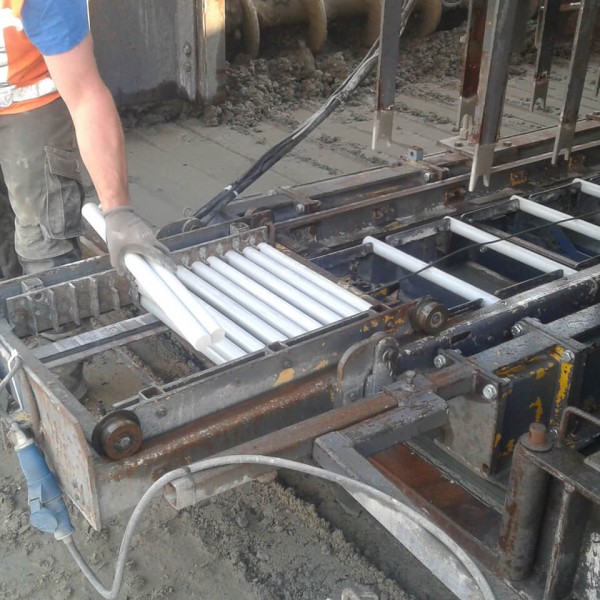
(61, 215)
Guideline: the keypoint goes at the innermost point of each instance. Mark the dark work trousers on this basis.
(9, 261)
(42, 173)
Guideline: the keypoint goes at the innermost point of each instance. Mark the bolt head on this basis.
(517, 330)
(490, 392)
(428, 177)
(440, 361)
(567, 356)
(300, 208)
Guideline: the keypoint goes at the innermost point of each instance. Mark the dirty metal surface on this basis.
(76, 298)
(241, 430)
(282, 364)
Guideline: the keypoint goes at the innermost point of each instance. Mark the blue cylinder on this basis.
(48, 510)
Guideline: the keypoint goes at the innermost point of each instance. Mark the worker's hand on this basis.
(127, 232)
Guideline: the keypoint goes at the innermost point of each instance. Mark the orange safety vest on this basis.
(25, 83)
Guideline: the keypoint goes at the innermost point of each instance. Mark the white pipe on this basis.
(316, 278)
(153, 308)
(225, 348)
(282, 289)
(229, 350)
(248, 301)
(445, 280)
(587, 187)
(229, 313)
(233, 331)
(161, 295)
(280, 305)
(523, 255)
(190, 302)
(556, 216)
(314, 291)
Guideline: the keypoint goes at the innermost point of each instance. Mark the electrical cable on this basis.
(476, 245)
(351, 485)
(209, 212)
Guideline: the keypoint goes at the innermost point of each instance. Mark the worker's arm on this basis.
(97, 123)
(100, 139)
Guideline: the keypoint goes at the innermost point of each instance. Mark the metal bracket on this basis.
(366, 367)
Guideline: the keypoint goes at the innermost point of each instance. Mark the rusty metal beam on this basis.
(472, 62)
(580, 58)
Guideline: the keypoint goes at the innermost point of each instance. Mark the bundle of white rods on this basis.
(163, 290)
(257, 297)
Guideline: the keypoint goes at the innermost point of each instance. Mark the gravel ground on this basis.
(260, 542)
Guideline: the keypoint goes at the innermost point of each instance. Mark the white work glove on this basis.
(128, 232)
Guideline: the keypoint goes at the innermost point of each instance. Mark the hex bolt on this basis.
(517, 329)
(567, 356)
(428, 177)
(300, 208)
(440, 361)
(490, 391)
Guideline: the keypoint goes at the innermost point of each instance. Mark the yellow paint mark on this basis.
(322, 365)
(564, 382)
(540, 373)
(509, 448)
(518, 177)
(511, 370)
(373, 323)
(539, 409)
(497, 440)
(285, 376)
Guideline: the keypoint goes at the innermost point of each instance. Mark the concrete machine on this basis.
(429, 329)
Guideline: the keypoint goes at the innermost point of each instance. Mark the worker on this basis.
(52, 99)
(54, 108)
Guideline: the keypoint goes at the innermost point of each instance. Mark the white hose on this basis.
(351, 485)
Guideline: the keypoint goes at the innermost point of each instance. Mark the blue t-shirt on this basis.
(55, 26)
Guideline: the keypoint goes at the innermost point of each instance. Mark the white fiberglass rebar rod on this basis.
(304, 285)
(556, 216)
(233, 331)
(252, 304)
(316, 278)
(154, 309)
(445, 280)
(230, 315)
(589, 188)
(288, 292)
(262, 293)
(523, 255)
(190, 302)
(161, 295)
(227, 348)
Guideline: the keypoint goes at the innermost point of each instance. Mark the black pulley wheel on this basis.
(429, 316)
(118, 435)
